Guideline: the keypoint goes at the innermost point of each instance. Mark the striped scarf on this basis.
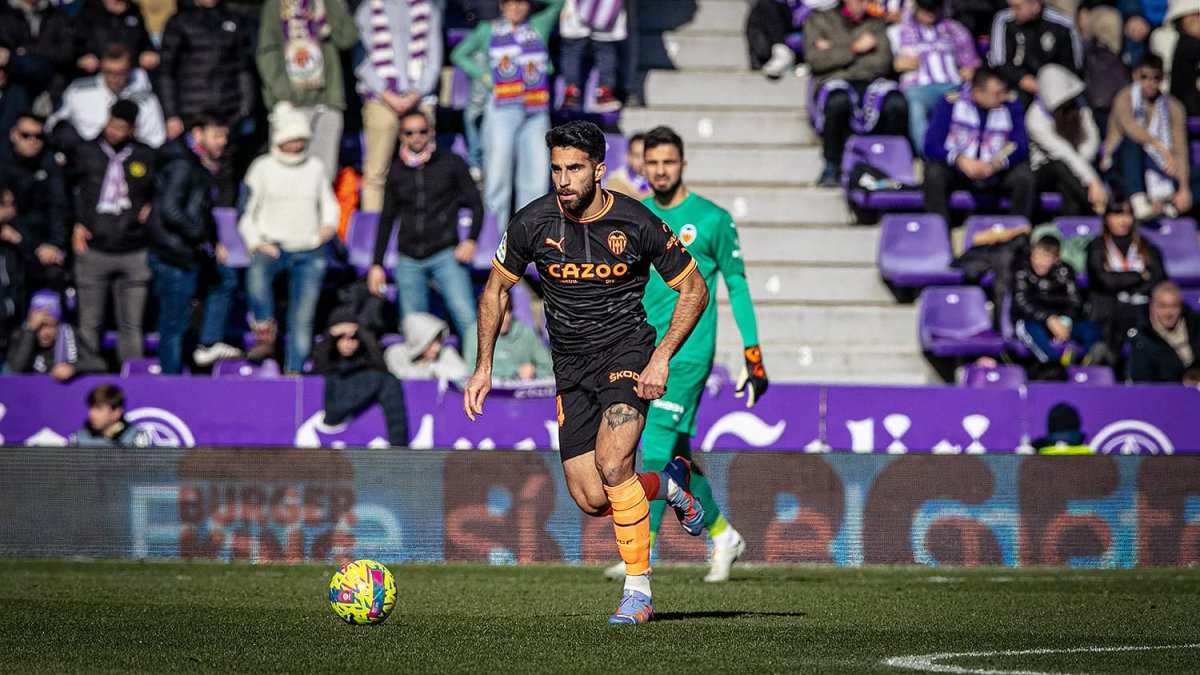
(207, 161)
(416, 160)
(1158, 122)
(114, 191)
(383, 49)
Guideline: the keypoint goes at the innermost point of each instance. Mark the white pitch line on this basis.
(929, 662)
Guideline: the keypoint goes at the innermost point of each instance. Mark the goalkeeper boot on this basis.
(727, 548)
(687, 508)
(635, 607)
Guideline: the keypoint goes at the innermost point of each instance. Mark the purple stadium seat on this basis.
(914, 251)
(954, 321)
(388, 339)
(489, 239)
(1001, 376)
(460, 89)
(1176, 238)
(108, 341)
(360, 241)
(1008, 329)
(1194, 125)
(1191, 298)
(1079, 226)
(267, 370)
(459, 146)
(522, 304)
(1196, 153)
(614, 153)
(977, 224)
(145, 366)
(227, 234)
(890, 154)
(1095, 376)
(455, 36)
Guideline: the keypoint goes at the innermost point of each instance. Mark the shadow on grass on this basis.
(734, 614)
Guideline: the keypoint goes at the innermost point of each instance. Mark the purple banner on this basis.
(811, 418)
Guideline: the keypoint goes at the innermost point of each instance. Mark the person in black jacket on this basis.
(35, 29)
(208, 67)
(103, 22)
(1122, 267)
(1029, 35)
(1169, 342)
(356, 376)
(1047, 306)
(183, 240)
(113, 177)
(29, 169)
(425, 188)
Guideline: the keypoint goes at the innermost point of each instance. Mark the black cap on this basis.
(342, 314)
(124, 109)
(1063, 417)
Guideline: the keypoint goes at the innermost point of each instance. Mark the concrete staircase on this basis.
(823, 313)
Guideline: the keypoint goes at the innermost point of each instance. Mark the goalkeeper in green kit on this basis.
(709, 234)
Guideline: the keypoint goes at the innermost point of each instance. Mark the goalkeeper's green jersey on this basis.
(709, 234)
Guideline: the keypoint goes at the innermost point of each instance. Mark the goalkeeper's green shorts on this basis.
(677, 408)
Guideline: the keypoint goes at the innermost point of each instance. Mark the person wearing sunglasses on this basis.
(356, 377)
(39, 190)
(425, 188)
(1146, 145)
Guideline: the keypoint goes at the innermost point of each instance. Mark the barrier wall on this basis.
(295, 505)
(813, 418)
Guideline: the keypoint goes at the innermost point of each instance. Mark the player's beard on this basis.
(583, 202)
(665, 196)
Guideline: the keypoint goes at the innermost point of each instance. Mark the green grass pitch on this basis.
(182, 617)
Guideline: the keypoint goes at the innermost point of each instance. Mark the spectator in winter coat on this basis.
(851, 60)
(1029, 35)
(1064, 141)
(1122, 268)
(44, 344)
(401, 71)
(424, 354)
(519, 354)
(976, 140)
(21, 77)
(84, 112)
(1147, 146)
(208, 67)
(106, 426)
(356, 376)
(290, 215)
(934, 55)
(104, 22)
(37, 30)
(299, 60)
(183, 240)
(1047, 307)
(12, 295)
(114, 177)
(1168, 343)
(425, 189)
(43, 216)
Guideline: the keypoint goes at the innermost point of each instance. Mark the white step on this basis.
(844, 245)
(686, 50)
(707, 16)
(894, 325)
(724, 127)
(830, 364)
(698, 89)
(776, 206)
(827, 285)
(789, 166)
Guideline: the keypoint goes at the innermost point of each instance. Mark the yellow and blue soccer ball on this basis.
(362, 592)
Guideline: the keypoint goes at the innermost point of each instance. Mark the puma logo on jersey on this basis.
(556, 244)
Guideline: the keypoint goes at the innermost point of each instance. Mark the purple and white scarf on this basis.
(867, 108)
(382, 47)
(303, 27)
(970, 137)
(114, 191)
(415, 160)
(600, 15)
(1158, 122)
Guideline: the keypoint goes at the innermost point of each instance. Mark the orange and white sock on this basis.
(631, 524)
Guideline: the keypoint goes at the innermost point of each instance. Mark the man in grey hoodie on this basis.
(424, 354)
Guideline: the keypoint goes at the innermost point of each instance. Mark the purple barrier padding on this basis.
(1142, 419)
(916, 419)
(791, 420)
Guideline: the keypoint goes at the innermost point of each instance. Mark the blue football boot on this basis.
(687, 507)
(635, 607)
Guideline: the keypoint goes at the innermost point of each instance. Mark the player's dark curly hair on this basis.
(663, 136)
(580, 135)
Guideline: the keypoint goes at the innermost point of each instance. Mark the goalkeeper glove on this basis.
(754, 374)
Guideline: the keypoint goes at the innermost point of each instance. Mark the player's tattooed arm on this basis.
(619, 415)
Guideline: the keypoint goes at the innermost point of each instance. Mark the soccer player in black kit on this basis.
(593, 249)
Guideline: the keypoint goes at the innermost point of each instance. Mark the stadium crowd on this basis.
(161, 157)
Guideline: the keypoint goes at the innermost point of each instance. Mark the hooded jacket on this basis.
(207, 63)
(1057, 86)
(87, 101)
(1153, 360)
(420, 330)
(290, 197)
(181, 222)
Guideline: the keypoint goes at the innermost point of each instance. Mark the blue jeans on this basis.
(1084, 335)
(216, 306)
(604, 54)
(506, 130)
(306, 271)
(452, 279)
(473, 123)
(1130, 162)
(921, 100)
(173, 287)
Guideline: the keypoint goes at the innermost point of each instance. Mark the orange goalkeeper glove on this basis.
(753, 374)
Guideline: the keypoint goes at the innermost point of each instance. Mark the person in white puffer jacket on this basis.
(290, 215)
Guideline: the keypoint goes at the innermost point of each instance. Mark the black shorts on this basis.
(589, 384)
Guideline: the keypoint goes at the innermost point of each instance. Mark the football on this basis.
(362, 592)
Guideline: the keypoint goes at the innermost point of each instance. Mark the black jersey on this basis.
(594, 271)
